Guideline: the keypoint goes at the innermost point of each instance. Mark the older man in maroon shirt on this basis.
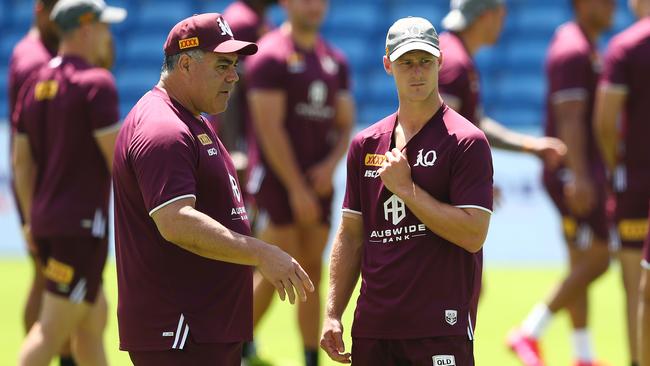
(417, 208)
(184, 254)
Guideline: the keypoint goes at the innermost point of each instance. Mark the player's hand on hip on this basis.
(285, 274)
(304, 205)
(580, 194)
(320, 178)
(395, 172)
(331, 341)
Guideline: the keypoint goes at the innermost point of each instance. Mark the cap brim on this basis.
(454, 21)
(112, 15)
(412, 46)
(238, 47)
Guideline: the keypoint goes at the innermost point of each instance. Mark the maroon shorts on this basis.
(443, 351)
(222, 354)
(73, 266)
(632, 218)
(272, 199)
(578, 231)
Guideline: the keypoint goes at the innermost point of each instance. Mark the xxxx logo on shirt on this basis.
(205, 139)
(374, 159)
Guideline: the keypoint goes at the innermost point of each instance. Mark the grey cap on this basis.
(464, 12)
(70, 14)
(411, 33)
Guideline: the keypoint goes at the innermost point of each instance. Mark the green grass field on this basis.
(508, 295)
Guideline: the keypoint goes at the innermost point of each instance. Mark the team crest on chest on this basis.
(426, 159)
(451, 317)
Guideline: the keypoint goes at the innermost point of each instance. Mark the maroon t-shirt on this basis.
(166, 293)
(311, 80)
(61, 108)
(572, 70)
(28, 55)
(627, 62)
(459, 77)
(416, 284)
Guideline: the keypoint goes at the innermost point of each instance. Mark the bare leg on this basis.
(585, 267)
(288, 239)
(88, 338)
(630, 264)
(643, 343)
(313, 242)
(58, 319)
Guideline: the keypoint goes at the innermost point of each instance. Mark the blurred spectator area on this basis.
(512, 72)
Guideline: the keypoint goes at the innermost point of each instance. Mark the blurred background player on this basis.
(578, 187)
(471, 25)
(247, 20)
(303, 113)
(421, 216)
(66, 122)
(33, 51)
(622, 130)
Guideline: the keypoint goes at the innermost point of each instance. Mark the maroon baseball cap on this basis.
(208, 32)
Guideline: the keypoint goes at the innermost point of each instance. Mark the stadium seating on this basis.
(512, 72)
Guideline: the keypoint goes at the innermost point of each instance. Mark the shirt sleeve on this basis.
(164, 161)
(18, 115)
(352, 199)
(264, 71)
(615, 68)
(471, 175)
(344, 72)
(570, 77)
(102, 100)
(454, 81)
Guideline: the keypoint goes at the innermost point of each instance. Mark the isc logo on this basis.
(188, 43)
(374, 159)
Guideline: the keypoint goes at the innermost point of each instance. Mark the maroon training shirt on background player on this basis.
(459, 77)
(416, 284)
(572, 68)
(311, 79)
(65, 104)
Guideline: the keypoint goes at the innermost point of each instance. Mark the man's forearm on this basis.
(573, 136)
(345, 266)
(501, 137)
(451, 223)
(198, 233)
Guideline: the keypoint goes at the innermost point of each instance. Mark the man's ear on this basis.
(388, 66)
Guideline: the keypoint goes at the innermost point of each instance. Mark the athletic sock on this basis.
(66, 361)
(537, 321)
(582, 345)
(248, 349)
(311, 357)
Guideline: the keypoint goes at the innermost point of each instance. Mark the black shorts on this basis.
(436, 351)
(73, 266)
(222, 354)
